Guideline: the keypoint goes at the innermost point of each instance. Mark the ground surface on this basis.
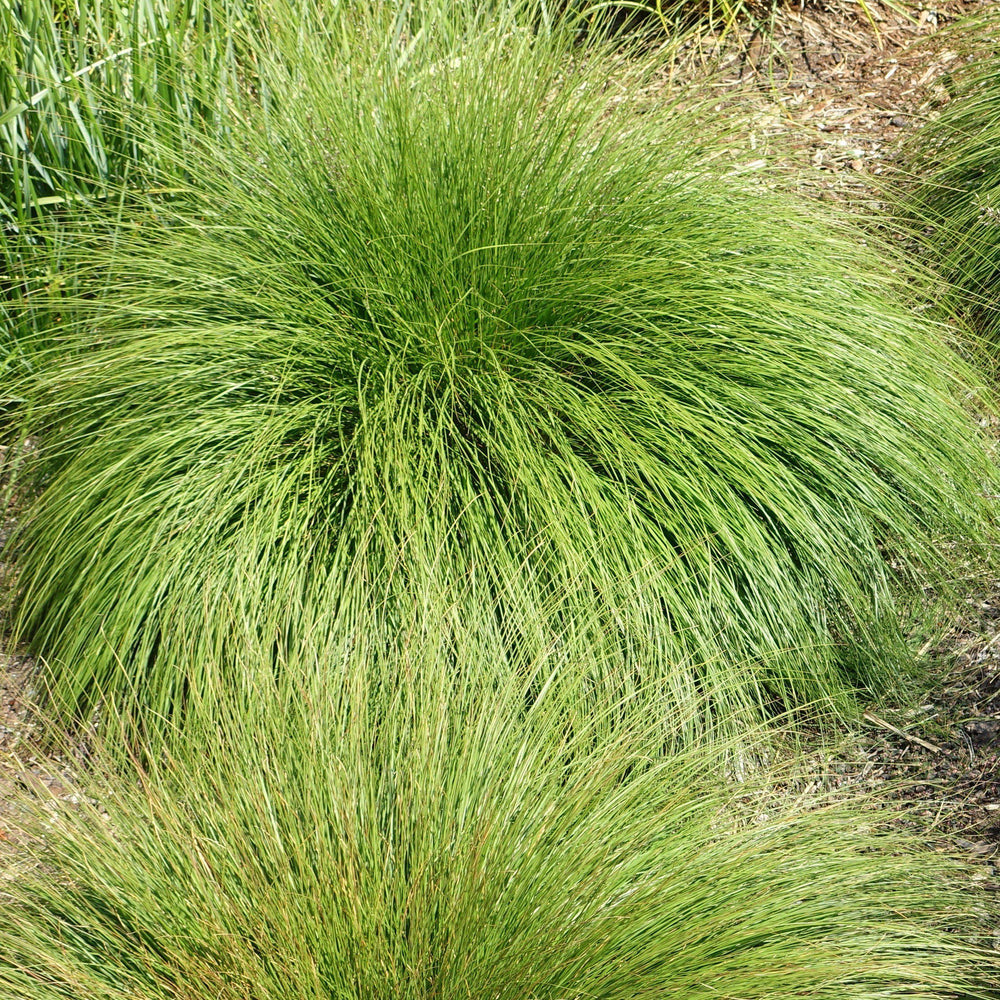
(836, 96)
(841, 91)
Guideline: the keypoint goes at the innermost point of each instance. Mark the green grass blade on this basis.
(389, 833)
(950, 191)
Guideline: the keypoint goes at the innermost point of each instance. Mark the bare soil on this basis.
(838, 91)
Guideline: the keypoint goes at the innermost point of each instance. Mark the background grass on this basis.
(390, 833)
(62, 142)
(952, 190)
(449, 308)
(61, 139)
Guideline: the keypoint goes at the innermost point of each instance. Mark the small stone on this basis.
(978, 849)
(34, 784)
(898, 121)
(982, 731)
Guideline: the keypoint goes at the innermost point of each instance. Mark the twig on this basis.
(899, 732)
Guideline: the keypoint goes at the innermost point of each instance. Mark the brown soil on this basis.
(838, 92)
(949, 743)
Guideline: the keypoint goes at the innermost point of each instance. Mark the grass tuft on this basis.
(62, 141)
(470, 311)
(391, 834)
(954, 193)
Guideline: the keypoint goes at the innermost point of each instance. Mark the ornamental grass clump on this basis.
(388, 833)
(474, 311)
(955, 193)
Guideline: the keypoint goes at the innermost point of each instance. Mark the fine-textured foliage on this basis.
(392, 835)
(60, 138)
(62, 142)
(955, 194)
(444, 312)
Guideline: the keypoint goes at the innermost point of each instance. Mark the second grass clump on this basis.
(387, 832)
(467, 309)
(955, 192)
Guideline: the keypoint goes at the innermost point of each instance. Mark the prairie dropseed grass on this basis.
(471, 311)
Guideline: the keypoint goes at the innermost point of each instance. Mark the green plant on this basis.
(468, 308)
(954, 191)
(61, 139)
(62, 142)
(389, 830)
